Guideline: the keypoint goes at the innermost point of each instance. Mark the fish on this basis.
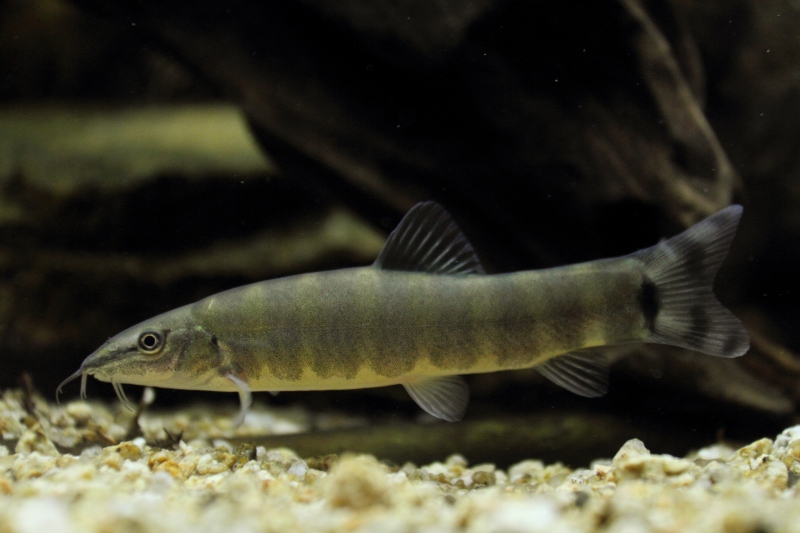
(425, 313)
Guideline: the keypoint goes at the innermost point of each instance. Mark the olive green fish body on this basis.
(366, 327)
(425, 313)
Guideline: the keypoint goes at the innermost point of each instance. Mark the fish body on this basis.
(425, 313)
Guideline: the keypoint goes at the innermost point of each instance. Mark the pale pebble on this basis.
(298, 469)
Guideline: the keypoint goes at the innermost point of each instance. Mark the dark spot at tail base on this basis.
(648, 302)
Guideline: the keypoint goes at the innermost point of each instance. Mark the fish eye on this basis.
(150, 342)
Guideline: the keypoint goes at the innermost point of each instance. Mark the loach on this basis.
(424, 313)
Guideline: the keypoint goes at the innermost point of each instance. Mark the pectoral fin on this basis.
(444, 398)
(584, 372)
(239, 380)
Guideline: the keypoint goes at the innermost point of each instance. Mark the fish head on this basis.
(156, 352)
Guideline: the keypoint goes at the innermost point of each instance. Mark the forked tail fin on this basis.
(679, 305)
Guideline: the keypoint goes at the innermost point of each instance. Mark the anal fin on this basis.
(444, 398)
(583, 372)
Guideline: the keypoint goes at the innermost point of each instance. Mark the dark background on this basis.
(554, 131)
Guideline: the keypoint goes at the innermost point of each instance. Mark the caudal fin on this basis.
(680, 307)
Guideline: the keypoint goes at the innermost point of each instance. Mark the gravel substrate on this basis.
(194, 480)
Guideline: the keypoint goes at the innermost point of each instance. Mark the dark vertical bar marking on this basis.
(648, 302)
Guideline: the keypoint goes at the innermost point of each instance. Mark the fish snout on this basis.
(89, 367)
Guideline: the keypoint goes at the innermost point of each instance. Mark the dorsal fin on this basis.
(428, 240)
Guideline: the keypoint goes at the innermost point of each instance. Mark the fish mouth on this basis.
(91, 366)
(88, 367)
(84, 373)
